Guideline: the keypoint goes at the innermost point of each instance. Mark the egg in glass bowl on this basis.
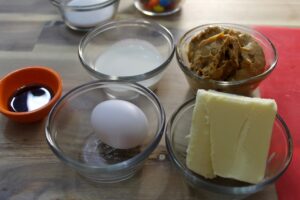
(105, 130)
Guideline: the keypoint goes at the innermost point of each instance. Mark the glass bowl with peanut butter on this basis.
(225, 57)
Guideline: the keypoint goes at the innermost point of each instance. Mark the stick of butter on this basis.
(230, 136)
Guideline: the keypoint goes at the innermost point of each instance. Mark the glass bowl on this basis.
(158, 8)
(72, 139)
(84, 15)
(279, 158)
(244, 86)
(128, 50)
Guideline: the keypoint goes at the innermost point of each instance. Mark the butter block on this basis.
(198, 152)
(230, 136)
(254, 142)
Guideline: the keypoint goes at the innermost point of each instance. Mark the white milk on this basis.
(88, 19)
(128, 57)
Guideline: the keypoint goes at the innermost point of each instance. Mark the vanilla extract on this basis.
(29, 98)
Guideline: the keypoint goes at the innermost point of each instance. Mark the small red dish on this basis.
(28, 76)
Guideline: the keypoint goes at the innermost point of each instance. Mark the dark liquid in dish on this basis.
(29, 98)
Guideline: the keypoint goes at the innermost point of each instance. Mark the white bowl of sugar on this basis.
(128, 50)
(86, 14)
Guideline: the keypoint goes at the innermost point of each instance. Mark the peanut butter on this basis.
(226, 55)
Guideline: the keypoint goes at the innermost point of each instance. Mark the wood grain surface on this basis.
(32, 33)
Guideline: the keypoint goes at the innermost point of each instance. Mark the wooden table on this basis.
(32, 33)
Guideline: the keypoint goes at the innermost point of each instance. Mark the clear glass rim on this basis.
(201, 182)
(62, 3)
(132, 162)
(190, 73)
(119, 23)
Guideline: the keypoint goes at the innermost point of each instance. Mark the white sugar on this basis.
(88, 18)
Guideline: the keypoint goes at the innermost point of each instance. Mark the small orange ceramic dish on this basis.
(27, 77)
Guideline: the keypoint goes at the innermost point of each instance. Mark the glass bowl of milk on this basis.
(177, 139)
(129, 50)
(104, 133)
(86, 14)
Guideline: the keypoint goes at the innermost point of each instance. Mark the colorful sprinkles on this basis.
(160, 6)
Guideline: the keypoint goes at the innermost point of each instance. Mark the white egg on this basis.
(119, 124)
